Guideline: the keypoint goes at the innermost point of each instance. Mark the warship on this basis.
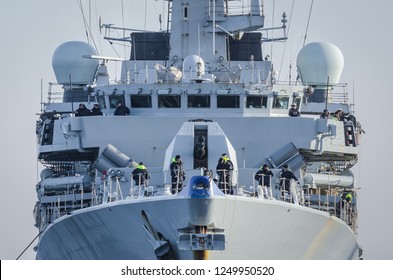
(198, 94)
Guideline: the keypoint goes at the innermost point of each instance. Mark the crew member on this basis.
(177, 174)
(140, 175)
(293, 112)
(264, 176)
(82, 111)
(121, 109)
(224, 168)
(96, 111)
(285, 179)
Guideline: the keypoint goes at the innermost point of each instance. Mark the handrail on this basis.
(105, 192)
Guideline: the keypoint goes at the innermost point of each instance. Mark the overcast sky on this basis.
(31, 31)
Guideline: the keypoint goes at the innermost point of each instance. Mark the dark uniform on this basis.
(325, 114)
(223, 169)
(177, 174)
(96, 111)
(264, 175)
(285, 178)
(140, 175)
(293, 112)
(82, 111)
(121, 110)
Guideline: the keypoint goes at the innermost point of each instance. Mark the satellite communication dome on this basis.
(195, 64)
(68, 60)
(319, 60)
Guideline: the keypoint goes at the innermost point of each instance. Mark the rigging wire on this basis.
(28, 245)
(122, 18)
(89, 34)
(308, 22)
(98, 19)
(285, 44)
(271, 45)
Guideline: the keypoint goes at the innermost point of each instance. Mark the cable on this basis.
(87, 27)
(285, 44)
(28, 246)
(308, 22)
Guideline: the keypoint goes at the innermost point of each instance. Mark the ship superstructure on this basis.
(201, 89)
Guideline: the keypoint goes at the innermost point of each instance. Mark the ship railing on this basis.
(60, 204)
(331, 201)
(337, 93)
(290, 191)
(113, 190)
(55, 93)
(241, 8)
(139, 187)
(225, 181)
(264, 190)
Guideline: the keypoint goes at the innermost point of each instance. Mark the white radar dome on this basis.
(194, 64)
(319, 60)
(68, 60)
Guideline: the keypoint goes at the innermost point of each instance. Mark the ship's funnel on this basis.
(319, 62)
(69, 65)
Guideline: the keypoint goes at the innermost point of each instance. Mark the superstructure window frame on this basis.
(114, 99)
(169, 101)
(280, 102)
(256, 101)
(228, 101)
(141, 101)
(101, 101)
(198, 101)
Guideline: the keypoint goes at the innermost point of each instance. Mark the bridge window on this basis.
(101, 101)
(228, 101)
(256, 101)
(199, 101)
(297, 101)
(113, 99)
(169, 101)
(280, 102)
(141, 101)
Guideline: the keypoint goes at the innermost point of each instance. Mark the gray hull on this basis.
(253, 229)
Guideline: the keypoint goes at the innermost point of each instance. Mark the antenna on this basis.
(72, 96)
(100, 24)
(214, 27)
(327, 92)
(160, 21)
(353, 97)
(42, 102)
(308, 22)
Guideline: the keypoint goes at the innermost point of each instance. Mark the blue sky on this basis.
(31, 31)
